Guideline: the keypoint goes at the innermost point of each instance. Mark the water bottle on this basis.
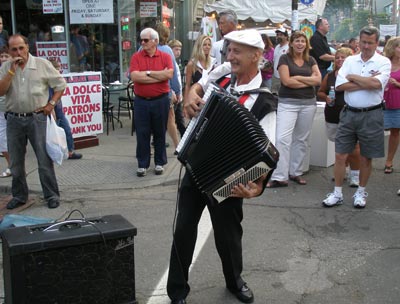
(331, 95)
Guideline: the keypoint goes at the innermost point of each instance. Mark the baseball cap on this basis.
(282, 30)
(249, 37)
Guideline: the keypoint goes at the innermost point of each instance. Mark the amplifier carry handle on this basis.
(58, 226)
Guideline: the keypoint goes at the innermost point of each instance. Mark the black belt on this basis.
(352, 109)
(23, 114)
(153, 98)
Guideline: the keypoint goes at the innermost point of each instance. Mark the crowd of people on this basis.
(300, 71)
(353, 80)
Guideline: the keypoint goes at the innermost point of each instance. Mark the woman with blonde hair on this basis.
(201, 61)
(391, 114)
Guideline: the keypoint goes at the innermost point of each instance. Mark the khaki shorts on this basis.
(364, 127)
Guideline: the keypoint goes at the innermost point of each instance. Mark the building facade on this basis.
(91, 35)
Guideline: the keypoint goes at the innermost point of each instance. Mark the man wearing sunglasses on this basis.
(151, 70)
(25, 81)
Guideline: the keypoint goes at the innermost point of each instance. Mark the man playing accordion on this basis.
(239, 75)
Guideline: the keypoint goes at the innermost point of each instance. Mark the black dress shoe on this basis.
(75, 156)
(14, 203)
(53, 204)
(244, 294)
(182, 301)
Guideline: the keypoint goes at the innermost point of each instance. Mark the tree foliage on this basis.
(335, 5)
(350, 27)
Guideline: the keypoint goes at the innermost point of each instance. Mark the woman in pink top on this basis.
(392, 99)
(267, 64)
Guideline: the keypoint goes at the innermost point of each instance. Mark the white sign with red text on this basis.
(82, 103)
(52, 7)
(52, 50)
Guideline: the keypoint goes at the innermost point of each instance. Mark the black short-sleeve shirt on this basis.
(320, 46)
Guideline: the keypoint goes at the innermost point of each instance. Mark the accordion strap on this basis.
(265, 103)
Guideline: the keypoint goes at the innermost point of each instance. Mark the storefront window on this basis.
(94, 46)
(32, 23)
(149, 12)
(104, 44)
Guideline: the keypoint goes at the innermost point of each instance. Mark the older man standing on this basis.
(244, 52)
(151, 71)
(363, 78)
(227, 23)
(320, 47)
(25, 81)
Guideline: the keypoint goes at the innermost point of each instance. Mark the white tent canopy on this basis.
(262, 10)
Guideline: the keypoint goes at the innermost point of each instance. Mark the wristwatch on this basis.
(53, 103)
(148, 73)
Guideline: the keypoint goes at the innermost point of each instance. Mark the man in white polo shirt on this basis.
(363, 78)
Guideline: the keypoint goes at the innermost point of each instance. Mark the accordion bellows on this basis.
(225, 147)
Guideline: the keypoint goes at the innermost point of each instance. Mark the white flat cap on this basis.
(248, 37)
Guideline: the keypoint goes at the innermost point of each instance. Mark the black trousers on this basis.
(226, 219)
(179, 119)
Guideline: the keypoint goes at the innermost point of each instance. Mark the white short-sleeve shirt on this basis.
(355, 65)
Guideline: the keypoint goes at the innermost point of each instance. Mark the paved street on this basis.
(295, 251)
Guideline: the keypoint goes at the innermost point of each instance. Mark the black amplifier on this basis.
(85, 261)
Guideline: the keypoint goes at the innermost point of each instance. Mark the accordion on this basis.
(224, 146)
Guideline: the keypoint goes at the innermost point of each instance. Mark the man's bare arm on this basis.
(155, 76)
(366, 83)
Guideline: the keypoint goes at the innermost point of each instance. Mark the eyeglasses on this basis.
(145, 40)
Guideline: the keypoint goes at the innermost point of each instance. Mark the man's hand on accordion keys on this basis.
(193, 103)
(252, 189)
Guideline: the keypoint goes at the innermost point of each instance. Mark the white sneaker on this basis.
(332, 200)
(360, 199)
(354, 181)
(141, 172)
(159, 170)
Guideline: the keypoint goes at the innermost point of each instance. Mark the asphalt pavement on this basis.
(295, 251)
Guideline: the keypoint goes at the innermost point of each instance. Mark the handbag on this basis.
(56, 142)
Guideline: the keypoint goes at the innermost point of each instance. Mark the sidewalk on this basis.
(110, 165)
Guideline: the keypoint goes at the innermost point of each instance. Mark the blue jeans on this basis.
(151, 117)
(19, 131)
(62, 122)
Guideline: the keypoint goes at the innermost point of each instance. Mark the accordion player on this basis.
(225, 146)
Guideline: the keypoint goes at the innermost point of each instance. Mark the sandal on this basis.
(298, 180)
(6, 173)
(388, 169)
(276, 184)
